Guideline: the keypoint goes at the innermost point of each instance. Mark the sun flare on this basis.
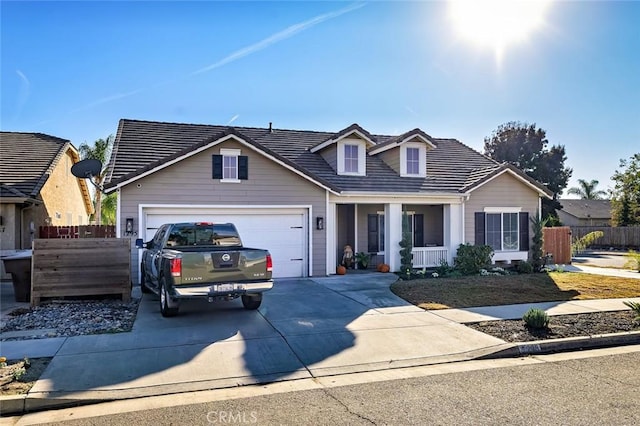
(497, 23)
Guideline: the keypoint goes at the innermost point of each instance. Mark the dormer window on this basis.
(351, 157)
(413, 159)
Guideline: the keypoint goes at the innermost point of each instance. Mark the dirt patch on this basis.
(19, 376)
(560, 326)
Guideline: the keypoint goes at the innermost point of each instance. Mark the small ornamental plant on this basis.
(536, 318)
(635, 307)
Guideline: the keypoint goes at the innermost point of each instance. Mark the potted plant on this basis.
(363, 260)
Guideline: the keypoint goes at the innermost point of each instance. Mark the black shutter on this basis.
(480, 234)
(418, 230)
(217, 166)
(372, 233)
(243, 167)
(524, 231)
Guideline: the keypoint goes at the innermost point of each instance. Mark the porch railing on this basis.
(429, 257)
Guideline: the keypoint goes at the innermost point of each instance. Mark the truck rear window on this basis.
(223, 234)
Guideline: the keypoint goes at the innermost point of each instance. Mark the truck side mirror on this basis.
(139, 243)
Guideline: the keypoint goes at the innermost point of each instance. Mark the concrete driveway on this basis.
(304, 328)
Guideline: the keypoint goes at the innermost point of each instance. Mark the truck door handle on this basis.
(296, 259)
(296, 227)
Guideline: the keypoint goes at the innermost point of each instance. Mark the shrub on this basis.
(406, 244)
(471, 259)
(633, 260)
(635, 307)
(524, 267)
(536, 318)
(444, 269)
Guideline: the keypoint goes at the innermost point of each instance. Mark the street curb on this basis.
(12, 404)
(568, 344)
(22, 404)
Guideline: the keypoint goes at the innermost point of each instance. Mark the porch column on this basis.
(453, 231)
(331, 229)
(393, 234)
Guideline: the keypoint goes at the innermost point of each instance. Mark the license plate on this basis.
(223, 287)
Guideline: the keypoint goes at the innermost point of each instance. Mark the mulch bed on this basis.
(560, 326)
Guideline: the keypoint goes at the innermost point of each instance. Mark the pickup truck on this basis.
(203, 260)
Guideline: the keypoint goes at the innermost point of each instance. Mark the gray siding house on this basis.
(304, 195)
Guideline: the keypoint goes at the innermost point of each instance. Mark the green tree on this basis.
(108, 209)
(625, 197)
(587, 190)
(526, 147)
(537, 253)
(406, 258)
(100, 150)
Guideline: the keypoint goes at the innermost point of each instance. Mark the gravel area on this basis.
(560, 326)
(69, 318)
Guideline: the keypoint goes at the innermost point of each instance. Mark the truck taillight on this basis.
(176, 267)
(269, 263)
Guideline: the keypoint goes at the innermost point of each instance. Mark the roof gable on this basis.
(410, 136)
(481, 177)
(354, 129)
(224, 134)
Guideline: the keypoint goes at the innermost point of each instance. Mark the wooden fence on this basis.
(614, 236)
(82, 231)
(557, 241)
(80, 267)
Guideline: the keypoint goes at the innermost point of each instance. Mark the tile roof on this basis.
(26, 161)
(587, 209)
(452, 167)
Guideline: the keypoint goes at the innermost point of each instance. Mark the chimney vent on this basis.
(270, 127)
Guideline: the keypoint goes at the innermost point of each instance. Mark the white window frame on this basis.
(233, 155)
(422, 157)
(361, 157)
(497, 211)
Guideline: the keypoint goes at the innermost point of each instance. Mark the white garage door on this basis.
(282, 232)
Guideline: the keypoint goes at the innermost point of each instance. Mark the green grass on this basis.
(465, 292)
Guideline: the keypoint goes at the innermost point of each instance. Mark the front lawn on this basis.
(470, 291)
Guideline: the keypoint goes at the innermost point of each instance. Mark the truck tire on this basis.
(165, 310)
(143, 282)
(252, 301)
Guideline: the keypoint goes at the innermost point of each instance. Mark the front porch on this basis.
(375, 229)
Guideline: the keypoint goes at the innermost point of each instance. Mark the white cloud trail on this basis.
(279, 36)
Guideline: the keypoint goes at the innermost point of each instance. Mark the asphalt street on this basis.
(579, 388)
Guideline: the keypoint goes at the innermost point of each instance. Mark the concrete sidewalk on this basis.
(305, 328)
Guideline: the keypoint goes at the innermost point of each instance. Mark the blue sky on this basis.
(73, 69)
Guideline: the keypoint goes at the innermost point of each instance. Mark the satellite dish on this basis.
(86, 168)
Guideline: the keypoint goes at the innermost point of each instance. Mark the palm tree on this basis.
(101, 150)
(587, 190)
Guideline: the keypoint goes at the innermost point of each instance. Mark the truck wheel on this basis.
(252, 301)
(165, 310)
(143, 282)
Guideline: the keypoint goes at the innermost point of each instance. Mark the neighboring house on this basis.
(585, 212)
(304, 195)
(37, 187)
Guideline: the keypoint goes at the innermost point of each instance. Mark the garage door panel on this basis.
(283, 234)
